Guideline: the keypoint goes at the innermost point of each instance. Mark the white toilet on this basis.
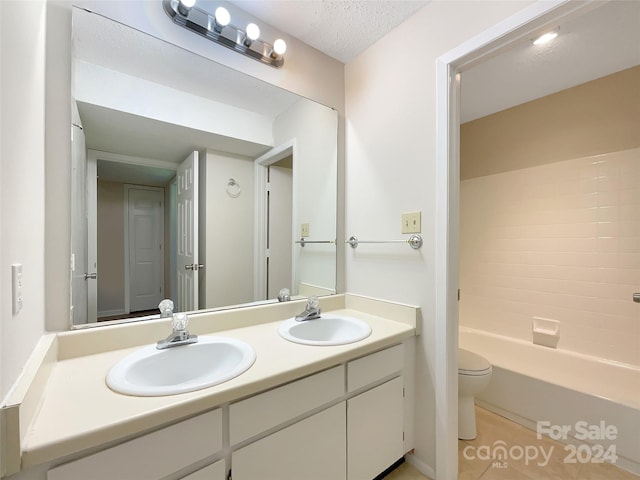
(474, 373)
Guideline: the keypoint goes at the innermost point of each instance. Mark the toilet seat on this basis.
(472, 364)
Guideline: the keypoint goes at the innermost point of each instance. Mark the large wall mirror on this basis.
(191, 181)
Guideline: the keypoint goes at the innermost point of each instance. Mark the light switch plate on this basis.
(16, 277)
(304, 230)
(411, 222)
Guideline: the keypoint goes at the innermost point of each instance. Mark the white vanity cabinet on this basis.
(155, 455)
(345, 423)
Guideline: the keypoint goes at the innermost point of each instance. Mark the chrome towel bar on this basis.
(303, 241)
(414, 241)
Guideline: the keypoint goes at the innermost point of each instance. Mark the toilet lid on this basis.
(470, 363)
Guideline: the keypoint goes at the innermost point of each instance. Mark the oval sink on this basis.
(150, 372)
(326, 330)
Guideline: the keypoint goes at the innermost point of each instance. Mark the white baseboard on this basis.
(422, 467)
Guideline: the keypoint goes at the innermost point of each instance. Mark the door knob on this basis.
(93, 276)
(636, 297)
(194, 266)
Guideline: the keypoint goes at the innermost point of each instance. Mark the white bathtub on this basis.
(532, 384)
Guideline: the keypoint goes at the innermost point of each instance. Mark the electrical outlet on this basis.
(411, 222)
(304, 230)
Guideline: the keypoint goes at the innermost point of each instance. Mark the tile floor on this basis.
(492, 428)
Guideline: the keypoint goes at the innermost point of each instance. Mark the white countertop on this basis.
(77, 411)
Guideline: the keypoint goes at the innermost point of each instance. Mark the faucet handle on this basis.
(180, 321)
(284, 295)
(312, 302)
(166, 307)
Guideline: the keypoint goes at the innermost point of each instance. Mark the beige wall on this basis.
(110, 248)
(596, 117)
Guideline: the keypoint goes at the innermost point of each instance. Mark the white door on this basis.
(92, 239)
(280, 240)
(79, 266)
(311, 449)
(187, 241)
(146, 248)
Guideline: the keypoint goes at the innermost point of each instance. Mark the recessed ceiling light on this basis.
(545, 38)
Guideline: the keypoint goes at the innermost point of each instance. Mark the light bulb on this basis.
(547, 37)
(279, 47)
(184, 6)
(223, 17)
(253, 31)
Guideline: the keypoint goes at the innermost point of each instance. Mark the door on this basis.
(79, 265)
(279, 228)
(311, 449)
(373, 446)
(187, 236)
(146, 247)
(92, 239)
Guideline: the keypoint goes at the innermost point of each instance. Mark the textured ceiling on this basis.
(341, 29)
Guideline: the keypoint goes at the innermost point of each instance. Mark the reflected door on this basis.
(146, 248)
(80, 270)
(279, 237)
(187, 236)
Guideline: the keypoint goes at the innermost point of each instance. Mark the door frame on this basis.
(449, 66)
(92, 197)
(260, 215)
(127, 241)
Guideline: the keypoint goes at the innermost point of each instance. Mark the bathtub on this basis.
(579, 399)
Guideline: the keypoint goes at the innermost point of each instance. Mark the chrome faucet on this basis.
(179, 335)
(311, 312)
(166, 308)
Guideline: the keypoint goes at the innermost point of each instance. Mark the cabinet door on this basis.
(151, 456)
(215, 471)
(312, 449)
(374, 430)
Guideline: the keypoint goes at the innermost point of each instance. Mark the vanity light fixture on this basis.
(219, 29)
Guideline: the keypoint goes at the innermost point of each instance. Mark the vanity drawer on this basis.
(150, 456)
(366, 370)
(266, 410)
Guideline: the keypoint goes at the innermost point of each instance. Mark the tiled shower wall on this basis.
(559, 241)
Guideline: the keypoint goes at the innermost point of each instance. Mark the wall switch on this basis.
(411, 222)
(304, 230)
(16, 277)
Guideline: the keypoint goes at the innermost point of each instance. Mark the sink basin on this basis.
(150, 372)
(326, 330)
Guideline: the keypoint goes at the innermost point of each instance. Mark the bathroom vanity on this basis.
(300, 411)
